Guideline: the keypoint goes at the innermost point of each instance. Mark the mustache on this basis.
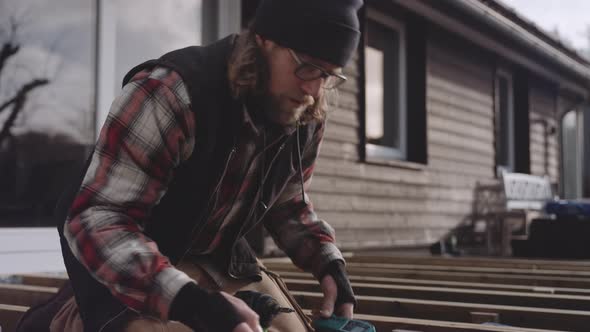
(305, 100)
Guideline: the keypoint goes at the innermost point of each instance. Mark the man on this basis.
(202, 145)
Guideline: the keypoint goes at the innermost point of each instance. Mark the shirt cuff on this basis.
(167, 285)
(327, 253)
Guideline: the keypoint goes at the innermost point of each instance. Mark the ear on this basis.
(265, 44)
(259, 40)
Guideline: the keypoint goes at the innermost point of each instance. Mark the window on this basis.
(134, 31)
(572, 141)
(504, 122)
(385, 88)
(47, 137)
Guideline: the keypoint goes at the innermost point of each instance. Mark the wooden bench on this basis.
(503, 208)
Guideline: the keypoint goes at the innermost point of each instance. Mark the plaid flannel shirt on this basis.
(149, 131)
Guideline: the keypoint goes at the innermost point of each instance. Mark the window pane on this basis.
(374, 94)
(503, 139)
(146, 29)
(383, 114)
(46, 140)
(571, 162)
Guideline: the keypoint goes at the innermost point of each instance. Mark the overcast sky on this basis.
(570, 17)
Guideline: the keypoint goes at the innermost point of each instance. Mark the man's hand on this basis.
(330, 290)
(251, 319)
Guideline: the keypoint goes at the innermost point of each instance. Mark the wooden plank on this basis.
(536, 300)
(531, 264)
(479, 170)
(486, 269)
(574, 320)
(458, 141)
(9, 316)
(358, 203)
(451, 93)
(386, 323)
(339, 150)
(531, 280)
(334, 184)
(485, 134)
(336, 167)
(461, 81)
(343, 117)
(25, 295)
(358, 220)
(442, 283)
(342, 133)
(460, 115)
(42, 280)
(440, 151)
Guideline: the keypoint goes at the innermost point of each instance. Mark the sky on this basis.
(570, 17)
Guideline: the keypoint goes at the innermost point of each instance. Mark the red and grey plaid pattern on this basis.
(149, 131)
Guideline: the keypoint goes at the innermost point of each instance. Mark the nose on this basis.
(313, 87)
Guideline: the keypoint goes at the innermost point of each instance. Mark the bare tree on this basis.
(11, 47)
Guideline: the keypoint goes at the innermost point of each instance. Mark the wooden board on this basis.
(570, 320)
(9, 316)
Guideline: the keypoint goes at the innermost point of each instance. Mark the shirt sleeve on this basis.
(293, 223)
(149, 131)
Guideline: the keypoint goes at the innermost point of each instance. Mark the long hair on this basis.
(249, 76)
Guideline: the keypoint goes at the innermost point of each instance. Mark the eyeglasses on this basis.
(309, 72)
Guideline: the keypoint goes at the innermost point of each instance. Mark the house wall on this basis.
(406, 204)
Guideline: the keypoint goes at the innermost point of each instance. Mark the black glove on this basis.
(203, 310)
(337, 271)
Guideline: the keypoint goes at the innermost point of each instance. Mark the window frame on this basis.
(374, 152)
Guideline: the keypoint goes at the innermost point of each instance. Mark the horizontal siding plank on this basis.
(460, 94)
(443, 152)
(468, 131)
(457, 141)
(343, 117)
(345, 169)
(342, 133)
(348, 203)
(462, 168)
(356, 220)
(344, 186)
(342, 150)
(460, 115)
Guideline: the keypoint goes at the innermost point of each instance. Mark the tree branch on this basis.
(8, 49)
(18, 103)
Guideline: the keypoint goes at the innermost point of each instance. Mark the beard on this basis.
(286, 111)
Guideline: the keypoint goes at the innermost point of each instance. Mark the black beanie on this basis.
(324, 29)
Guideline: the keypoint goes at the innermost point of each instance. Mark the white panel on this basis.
(27, 250)
(105, 69)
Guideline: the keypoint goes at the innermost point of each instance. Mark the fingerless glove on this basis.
(203, 310)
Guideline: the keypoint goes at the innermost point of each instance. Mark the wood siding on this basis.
(407, 204)
(372, 205)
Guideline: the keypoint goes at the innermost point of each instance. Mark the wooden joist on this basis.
(24, 295)
(384, 323)
(42, 280)
(488, 262)
(568, 320)
(9, 316)
(442, 283)
(571, 302)
(514, 279)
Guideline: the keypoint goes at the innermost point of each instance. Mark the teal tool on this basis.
(341, 324)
